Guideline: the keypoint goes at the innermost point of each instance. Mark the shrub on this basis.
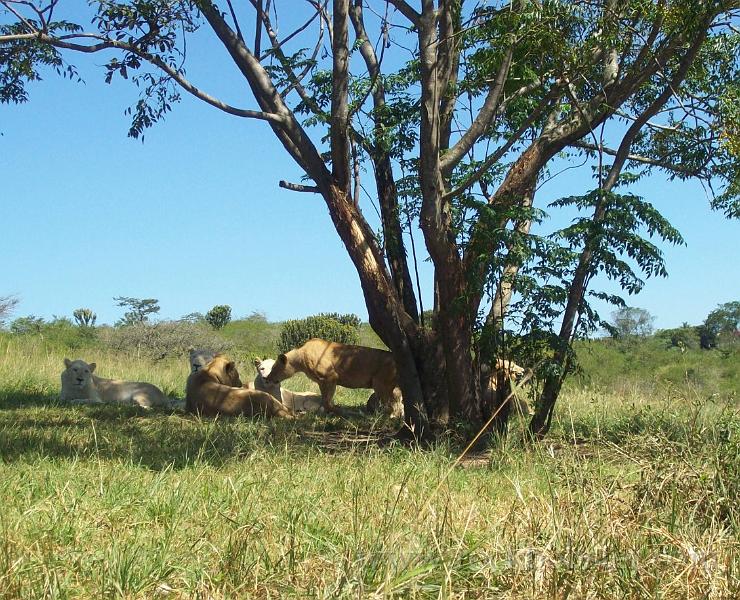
(219, 316)
(351, 320)
(685, 337)
(163, 339)
(297, 332)
(27, 325)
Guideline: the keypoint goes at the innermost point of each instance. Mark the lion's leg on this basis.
(328, 388)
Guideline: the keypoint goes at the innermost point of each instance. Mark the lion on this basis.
(81, 386)
(295, 401)
(216, 389)
(488, 386)
(331, 364)
(199, 358)
(503, 370)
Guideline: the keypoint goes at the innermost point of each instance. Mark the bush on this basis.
(27, 325)
(351, 320)
(219, 316)
(685, 337)
(163, 339)
(297, 332)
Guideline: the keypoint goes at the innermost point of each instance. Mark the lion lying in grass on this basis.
(81, 386)
(216, 389)
(295, 401)
(331, 364)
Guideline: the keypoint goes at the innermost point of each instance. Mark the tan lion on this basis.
(331, 364)
(216, 389)
(295, 401)
(506, 369)
(81, 386)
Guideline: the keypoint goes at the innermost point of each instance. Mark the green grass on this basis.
(632, 495)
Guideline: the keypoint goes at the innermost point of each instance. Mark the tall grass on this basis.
(630, 496)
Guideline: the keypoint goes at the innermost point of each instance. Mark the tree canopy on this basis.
(448, 116)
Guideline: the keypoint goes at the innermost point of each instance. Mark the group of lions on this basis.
(214, 387)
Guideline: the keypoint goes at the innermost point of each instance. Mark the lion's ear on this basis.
(282, 359)
(257, 362)
(230, 366)
(67, 363)
(92, 367)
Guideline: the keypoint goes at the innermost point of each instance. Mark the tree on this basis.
(139, 309)
(7, 305)
(629, 321)
(492, 95)
(725, 319)
(84, 317)
(219, 316)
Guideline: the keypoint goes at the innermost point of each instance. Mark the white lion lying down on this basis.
(80, 386)
(295, 401)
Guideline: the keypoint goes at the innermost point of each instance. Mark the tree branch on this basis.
(297, 187)
(406, 10)
(339, 124)
(482, 121)
(107, 44)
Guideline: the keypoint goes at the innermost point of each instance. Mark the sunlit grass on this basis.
(630, 496)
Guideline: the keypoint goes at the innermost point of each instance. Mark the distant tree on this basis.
(27, 325)
(84, 317)
(7, 304)
(725, 319)
(257, 316)
(684, 337)
(139, 309)
(219, 316)
(193, 317)
(629, 321)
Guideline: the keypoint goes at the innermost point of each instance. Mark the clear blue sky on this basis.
(194, 215)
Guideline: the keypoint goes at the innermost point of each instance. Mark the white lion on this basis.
(199, 358)
(80, 386)
(295, 401)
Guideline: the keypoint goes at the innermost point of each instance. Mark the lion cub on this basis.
(216, 389)
(331, 364)
(79, 385)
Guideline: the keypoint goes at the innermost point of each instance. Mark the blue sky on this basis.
(194, 215)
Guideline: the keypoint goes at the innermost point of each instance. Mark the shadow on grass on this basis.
(35, 427)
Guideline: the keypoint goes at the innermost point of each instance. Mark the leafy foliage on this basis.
(218, 316)
(297, 332)
(723, 321)
(29, 325)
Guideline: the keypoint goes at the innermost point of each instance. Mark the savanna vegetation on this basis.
(633, 493)
(446, 118)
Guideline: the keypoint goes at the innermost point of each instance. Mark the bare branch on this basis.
(406, 10)
(296, 187)
(481, 123)
(637, 158)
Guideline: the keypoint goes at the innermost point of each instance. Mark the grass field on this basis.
(633, 495)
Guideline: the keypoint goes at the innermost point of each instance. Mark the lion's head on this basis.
(76, 377)
(264, 368)
(280, 370)
(222, 369)
(199, 358)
